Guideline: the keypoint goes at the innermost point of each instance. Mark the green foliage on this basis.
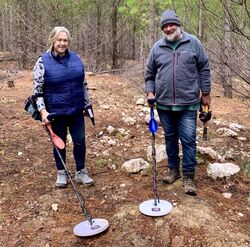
(247, 167)
(68, 8)
(200, 158)
(101, 161)
(4, 3)
(137, 13)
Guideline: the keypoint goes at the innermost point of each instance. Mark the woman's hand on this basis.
(44, 115)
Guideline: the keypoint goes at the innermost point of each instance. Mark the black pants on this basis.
(76, 126)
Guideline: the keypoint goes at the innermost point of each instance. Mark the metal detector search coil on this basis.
(149, 208)
(85, 229)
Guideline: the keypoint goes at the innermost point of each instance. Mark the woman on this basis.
(60, 89)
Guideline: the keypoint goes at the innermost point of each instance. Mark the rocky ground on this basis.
(34, 213)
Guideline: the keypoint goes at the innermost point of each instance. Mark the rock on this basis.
(121, 130)
(141, 114)
(220, 170)
(54, 207)
(156, 116)
(100, 134)
(105, 106)
(135, 165)
(105, 153)
(140, 101)
(227, 195)
(217, 122)
(160, 150)
(226, 132)
(129, 121)
(208, 151)
(241, 214)
(229, 155)
(241, 138)
(112, 167)
(108, 140)
(145, 109)
(110, 129)
(112, 142)
(237, 127)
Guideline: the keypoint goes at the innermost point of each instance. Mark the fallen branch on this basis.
(105, 72)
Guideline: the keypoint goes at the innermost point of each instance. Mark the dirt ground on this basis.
(28, 216)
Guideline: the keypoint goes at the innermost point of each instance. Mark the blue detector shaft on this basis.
(153, 127)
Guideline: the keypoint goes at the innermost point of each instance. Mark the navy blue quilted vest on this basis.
(63, 83)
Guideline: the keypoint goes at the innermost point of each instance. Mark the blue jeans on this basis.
(180, 125)
(76, 126)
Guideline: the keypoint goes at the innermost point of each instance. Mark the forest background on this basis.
(115, 35)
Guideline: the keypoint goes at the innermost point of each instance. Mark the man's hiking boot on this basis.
(189, 186)
(171, 176)
(83, 177)
(61, 180)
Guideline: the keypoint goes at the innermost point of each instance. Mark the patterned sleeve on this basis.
(38, 80)
(86, 93)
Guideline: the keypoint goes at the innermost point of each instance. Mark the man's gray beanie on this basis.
(169, 16)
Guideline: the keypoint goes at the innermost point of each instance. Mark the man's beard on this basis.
(176, 35)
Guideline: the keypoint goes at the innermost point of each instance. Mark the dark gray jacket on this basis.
(178, 77)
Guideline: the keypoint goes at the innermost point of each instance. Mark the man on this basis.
(178, 79)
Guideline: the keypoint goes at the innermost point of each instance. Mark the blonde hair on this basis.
(54, 34)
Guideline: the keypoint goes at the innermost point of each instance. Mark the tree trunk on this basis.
(201, 20)
(114, 19)
(133, 42)
(152, 27)
(98, 58)
(226, 45)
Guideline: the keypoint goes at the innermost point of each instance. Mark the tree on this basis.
(107, 33)
(201, 20)
(226, 47)
(114, 36)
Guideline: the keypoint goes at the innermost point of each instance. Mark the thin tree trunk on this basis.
(201, 20)
(98, 58)
(152, 26)
(133, 42)
(226, 44)
(114, 18)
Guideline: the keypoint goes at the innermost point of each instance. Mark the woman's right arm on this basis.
(38, 90)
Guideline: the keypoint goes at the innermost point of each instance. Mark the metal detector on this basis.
(154, 207)
(91, 226)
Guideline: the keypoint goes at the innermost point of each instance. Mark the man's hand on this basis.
(151, 99)
(206, 99)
